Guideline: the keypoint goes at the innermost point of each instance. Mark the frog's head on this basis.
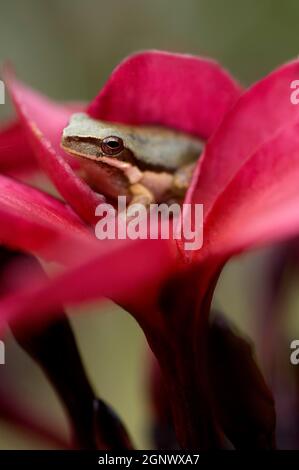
(147, 147)
(88, 138)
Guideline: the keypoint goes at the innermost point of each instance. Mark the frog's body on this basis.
(146, 164)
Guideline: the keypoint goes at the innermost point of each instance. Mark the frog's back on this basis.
(163, 147)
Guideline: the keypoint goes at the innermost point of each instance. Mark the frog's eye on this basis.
(112, 145)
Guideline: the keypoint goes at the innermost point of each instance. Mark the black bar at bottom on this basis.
(136, 459)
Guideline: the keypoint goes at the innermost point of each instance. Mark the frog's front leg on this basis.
(141, 195)
(182, 179)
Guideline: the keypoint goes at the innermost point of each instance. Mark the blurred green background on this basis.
(67, 48)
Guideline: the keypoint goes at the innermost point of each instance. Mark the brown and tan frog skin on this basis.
(147, 164)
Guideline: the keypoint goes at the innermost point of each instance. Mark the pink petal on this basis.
(128, 272)
(44, 121)
(16, 155)
(36, 222)
(261, 203)
(185, 92)
(15, 151)
(257, 116)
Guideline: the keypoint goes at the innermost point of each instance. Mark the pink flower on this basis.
(247, 180)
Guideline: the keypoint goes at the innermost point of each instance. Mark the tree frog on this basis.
(145, 163)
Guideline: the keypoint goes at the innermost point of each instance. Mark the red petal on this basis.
(16, 155)
(44, 121)
(257, 116)
(185, 92)
(261, 203)
(117, 273)
(15, 151)
(36, 222)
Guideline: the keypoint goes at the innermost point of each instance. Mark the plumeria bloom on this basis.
(247, 181)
